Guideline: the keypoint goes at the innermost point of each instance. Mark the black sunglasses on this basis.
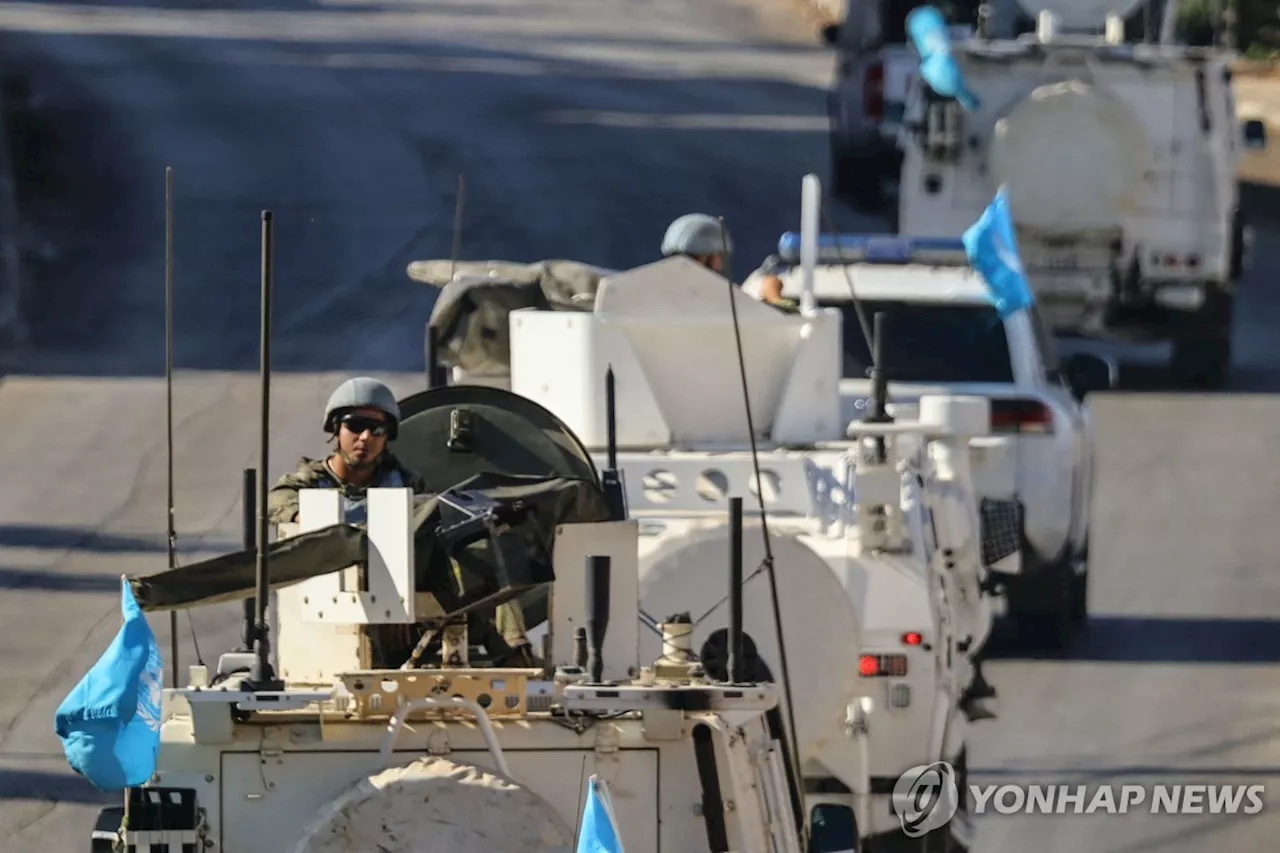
(359, 423)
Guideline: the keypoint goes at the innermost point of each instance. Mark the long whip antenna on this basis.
(794, 751)
(168, 406)
(261, 675)
(844, 268)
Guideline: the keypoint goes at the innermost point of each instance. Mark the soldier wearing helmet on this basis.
(701, 238)
(362, 416)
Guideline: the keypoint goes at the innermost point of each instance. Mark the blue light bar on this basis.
(876, 249)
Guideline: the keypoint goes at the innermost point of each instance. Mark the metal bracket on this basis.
(444, 703)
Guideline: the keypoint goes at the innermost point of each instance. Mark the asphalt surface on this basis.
(583, 128)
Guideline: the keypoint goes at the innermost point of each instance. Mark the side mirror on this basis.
(831, 35)
(1255, 133)
(1087, 372)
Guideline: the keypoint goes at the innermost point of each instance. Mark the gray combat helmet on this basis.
(360, 392)
(696, 234)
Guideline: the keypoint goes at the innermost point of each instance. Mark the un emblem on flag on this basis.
(925, 798)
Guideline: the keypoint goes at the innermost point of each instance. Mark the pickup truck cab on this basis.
(946, 337)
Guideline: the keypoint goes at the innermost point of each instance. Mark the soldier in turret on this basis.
(362, 415)
(698, 237)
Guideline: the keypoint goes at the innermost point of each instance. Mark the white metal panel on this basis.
(559, 360)
(651, 325)
(389, 597)
(574, 544)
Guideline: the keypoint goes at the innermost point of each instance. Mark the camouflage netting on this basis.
(470, 316)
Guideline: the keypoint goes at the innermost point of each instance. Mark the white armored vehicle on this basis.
(949, 339)
(874, 536)
(369, 740)
(366, 719)
(1120, 166)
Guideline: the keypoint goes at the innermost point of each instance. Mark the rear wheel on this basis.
(1043, 606)
(1202, 351)
(1080, 593)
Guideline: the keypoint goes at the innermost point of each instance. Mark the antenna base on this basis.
(262, 676)
(267, 684)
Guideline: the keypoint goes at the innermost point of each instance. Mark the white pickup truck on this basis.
(947, 338)
(1120, 166)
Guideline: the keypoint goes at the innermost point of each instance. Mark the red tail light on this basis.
(875, 666)
(873, 92)
(1021, 416)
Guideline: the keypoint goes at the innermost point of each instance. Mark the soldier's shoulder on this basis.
(774, 265)
(308, 470)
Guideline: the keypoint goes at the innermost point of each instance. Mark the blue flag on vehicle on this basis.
(928, 32)
(992, 246)
(109, 724)
(599, 832)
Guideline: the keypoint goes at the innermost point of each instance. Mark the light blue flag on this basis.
(109, 724)
(992, 246)
(929, 34)
(599, 832)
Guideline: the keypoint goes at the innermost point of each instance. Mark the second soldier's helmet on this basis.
(696, 234)
(362, 392)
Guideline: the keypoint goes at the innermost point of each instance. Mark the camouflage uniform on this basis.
(282, 500)
(507, 620)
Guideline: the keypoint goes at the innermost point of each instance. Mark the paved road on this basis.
(583, 127)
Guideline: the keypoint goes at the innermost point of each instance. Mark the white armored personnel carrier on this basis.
(1120, 166)
(368, 740)
(367, 718)
(874, 535)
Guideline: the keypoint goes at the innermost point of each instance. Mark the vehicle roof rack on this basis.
(877, 249)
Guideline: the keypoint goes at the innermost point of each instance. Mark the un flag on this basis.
(109, 724)
(599, 833)
(928, 33)
(992, 247)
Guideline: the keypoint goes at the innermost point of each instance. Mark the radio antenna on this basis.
(261, 675)
(790, 734)
(876, 342)
(168, 405)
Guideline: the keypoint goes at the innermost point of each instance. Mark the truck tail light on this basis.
(882, 666)
(873, 92)
(1021, 416)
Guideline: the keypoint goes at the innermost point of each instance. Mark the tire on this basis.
(1080, 591)
(1043, 607)
(1202, 352)
(1080, 599)
(1238, 248)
